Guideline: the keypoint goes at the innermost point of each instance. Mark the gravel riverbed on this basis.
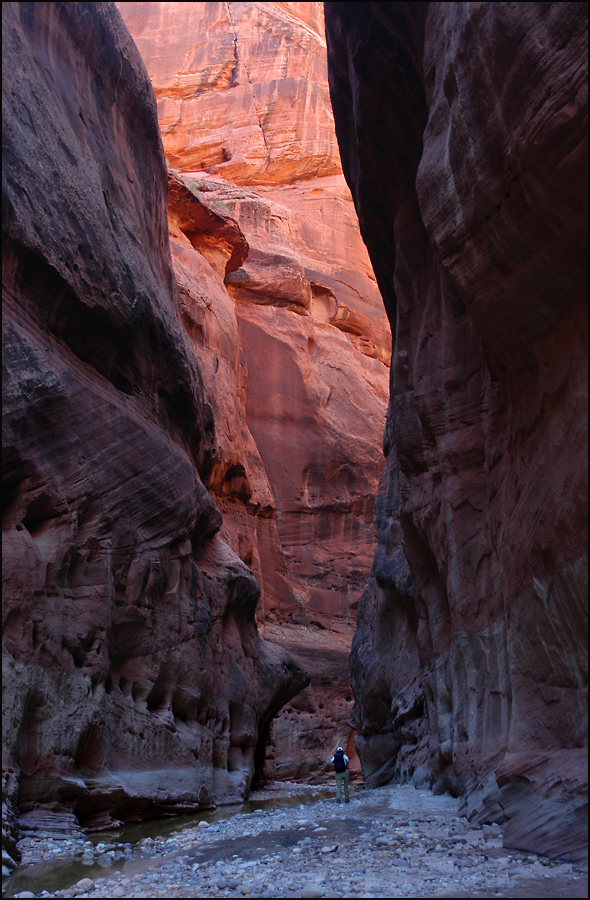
(395, 841)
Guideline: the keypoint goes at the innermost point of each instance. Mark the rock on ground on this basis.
(390, 842)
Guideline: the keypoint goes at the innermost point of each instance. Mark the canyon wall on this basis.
(248, 132)
(463, 134)
(135, 682)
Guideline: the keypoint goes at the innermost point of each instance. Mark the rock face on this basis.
(247, 127)
(462, 129)
(242, 88)
(135, 681)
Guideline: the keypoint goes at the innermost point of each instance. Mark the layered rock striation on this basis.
(463, 134)
(135, 681)
(247, 127)
(242, 88)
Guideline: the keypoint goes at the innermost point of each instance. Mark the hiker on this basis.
(340, 763)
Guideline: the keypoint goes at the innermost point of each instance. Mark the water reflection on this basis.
(59, 874)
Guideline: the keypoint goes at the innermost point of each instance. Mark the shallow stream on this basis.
(140, 841)
(393, 841)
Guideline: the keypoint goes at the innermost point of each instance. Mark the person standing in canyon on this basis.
(340, 763)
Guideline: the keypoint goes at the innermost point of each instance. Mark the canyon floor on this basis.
(394, 841)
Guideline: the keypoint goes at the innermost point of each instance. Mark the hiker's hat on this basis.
(338, 749)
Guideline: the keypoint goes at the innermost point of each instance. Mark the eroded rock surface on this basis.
(463, 134)
(247, 127)
(242, 88)
(134, 678)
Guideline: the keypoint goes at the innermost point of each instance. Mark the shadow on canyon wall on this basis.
(172, 577)
(162, 509)
(135, 682)
(463, 135)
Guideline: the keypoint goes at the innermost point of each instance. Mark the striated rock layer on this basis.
(135, 681)
(247, 127)
(463, 134)
(242, 88)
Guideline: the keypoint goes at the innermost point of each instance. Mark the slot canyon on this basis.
(294, 408)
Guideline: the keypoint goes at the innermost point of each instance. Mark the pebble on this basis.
(397, 841)
(312, 890)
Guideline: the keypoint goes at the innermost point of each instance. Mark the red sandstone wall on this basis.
(247, 126)
(463, 134)
(135, 681)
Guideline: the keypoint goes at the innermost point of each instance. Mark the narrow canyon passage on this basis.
(294, 448)
(196, 380)
(292, 340)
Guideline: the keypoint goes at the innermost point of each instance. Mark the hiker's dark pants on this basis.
(342, 779)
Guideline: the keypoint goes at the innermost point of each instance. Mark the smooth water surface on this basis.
(58, 874)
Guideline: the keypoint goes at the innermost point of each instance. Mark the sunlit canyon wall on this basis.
(296, 329)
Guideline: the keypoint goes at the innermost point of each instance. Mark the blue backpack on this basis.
(339, 764)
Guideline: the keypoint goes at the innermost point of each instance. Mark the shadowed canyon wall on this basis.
(463, 134)
(295, 329)
(135, 681)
